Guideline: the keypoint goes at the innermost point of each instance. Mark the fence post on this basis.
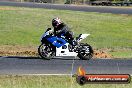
(51, 1)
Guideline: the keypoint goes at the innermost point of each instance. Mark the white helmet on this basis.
(56, 22)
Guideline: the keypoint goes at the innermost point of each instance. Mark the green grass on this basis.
(122, 54)
(50, 82)
(24, 26)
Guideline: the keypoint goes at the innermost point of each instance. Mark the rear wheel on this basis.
(46, 51)
(86, 52)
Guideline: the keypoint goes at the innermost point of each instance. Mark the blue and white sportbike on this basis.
(52, 46)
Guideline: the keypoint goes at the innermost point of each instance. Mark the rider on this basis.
(61, 28)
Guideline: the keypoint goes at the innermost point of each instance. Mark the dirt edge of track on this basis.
(32, 51)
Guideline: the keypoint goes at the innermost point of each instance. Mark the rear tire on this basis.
(83, 55)
(46, 52)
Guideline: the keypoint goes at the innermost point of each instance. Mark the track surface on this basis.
(71, 7)
(34, 65)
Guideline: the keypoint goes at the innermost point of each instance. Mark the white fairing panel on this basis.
(82, 36)
(64, 52)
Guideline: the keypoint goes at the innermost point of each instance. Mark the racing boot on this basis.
(75, 45)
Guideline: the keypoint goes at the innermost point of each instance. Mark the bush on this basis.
(67, 2)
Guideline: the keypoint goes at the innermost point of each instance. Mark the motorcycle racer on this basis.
(61, 28)
(59, 41)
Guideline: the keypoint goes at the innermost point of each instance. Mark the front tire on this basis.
(86, 52)
(46, 51)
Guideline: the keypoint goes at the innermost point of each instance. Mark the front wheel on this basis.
(86, 52)
(46, 51)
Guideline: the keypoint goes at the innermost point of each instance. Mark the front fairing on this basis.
(44, 35)
(56, 41)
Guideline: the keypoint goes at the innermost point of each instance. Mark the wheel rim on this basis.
(45, 51)
(88, 53)
(89, 50)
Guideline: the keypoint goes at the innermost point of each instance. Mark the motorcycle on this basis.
(52, 46)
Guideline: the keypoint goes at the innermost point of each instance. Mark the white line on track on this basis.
(118, 68)
(46, 74)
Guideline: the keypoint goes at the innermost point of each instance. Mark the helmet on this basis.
(56, 22)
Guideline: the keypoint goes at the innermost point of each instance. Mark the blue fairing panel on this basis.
(58, 42)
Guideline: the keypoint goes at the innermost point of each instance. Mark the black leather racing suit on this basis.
(63, 29)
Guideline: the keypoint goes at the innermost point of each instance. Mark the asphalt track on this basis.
(35, 65)
(100, 9)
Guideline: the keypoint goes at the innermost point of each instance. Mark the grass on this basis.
(24, 26)
(50, 82)
(122, 54)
